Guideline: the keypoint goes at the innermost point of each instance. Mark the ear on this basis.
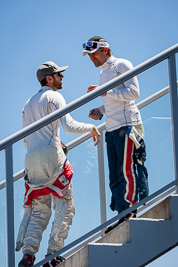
(106, 50)
(49, 78)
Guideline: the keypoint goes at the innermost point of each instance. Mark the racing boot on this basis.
(133, 214)
(27, 261)
(54, 262)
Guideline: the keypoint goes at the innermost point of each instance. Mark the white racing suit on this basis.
(49, 176)
(44, 169)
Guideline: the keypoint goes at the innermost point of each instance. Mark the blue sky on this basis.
(36, 31)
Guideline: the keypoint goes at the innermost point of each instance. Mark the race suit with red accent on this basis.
(48, 174)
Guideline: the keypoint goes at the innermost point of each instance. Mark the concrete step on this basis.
(143, 238)
(80, 258)
(161, 211)
(135, 242)
(149, 239)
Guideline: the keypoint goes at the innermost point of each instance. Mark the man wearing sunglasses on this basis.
(124, 129)
(48, 173)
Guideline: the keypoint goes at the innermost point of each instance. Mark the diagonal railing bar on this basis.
(16, 177)
(101, 127)
(9, 141)
(104, 225)
(144, 207)
(154, 97)
(88, 97)
(158, 198)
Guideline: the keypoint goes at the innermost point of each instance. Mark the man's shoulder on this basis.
(121, 60)
(47, 96)
(29, 101)
(55, 98)
(123, 64)
(54, 94)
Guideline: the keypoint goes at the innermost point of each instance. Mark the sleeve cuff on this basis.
(102, 109)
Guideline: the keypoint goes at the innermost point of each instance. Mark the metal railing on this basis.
(8, 142)
(101, 128)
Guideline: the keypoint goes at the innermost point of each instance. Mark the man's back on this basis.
(40, 105)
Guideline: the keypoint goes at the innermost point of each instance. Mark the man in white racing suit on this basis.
(126, 156)
(48, 172)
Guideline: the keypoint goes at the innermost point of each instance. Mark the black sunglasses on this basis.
(59, 74)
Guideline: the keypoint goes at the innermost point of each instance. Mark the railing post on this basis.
(10, 208)
(102, 180)
(174, 111)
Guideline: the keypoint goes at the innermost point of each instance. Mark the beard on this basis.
(98, 62)
(56, 83)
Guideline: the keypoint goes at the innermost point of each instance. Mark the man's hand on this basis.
(93, 87)
(64, 148)
(96, 135)
(95, 114)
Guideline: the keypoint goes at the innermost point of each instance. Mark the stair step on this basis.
(149, 239)
(146, 237)
(160, 211)
(117, 236)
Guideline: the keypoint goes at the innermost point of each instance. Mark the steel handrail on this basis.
(88, 97)
(105, 224)
(101, 127)
(144, 207)
(9, 141)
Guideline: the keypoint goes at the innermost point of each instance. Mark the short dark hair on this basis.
(97, 39)
(43, 82)
(109, 51)
(101, 39)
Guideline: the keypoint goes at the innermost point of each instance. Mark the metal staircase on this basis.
(137, 242)
(134, 243)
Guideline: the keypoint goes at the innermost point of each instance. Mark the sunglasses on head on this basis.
(94, 45)
(90, 44)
